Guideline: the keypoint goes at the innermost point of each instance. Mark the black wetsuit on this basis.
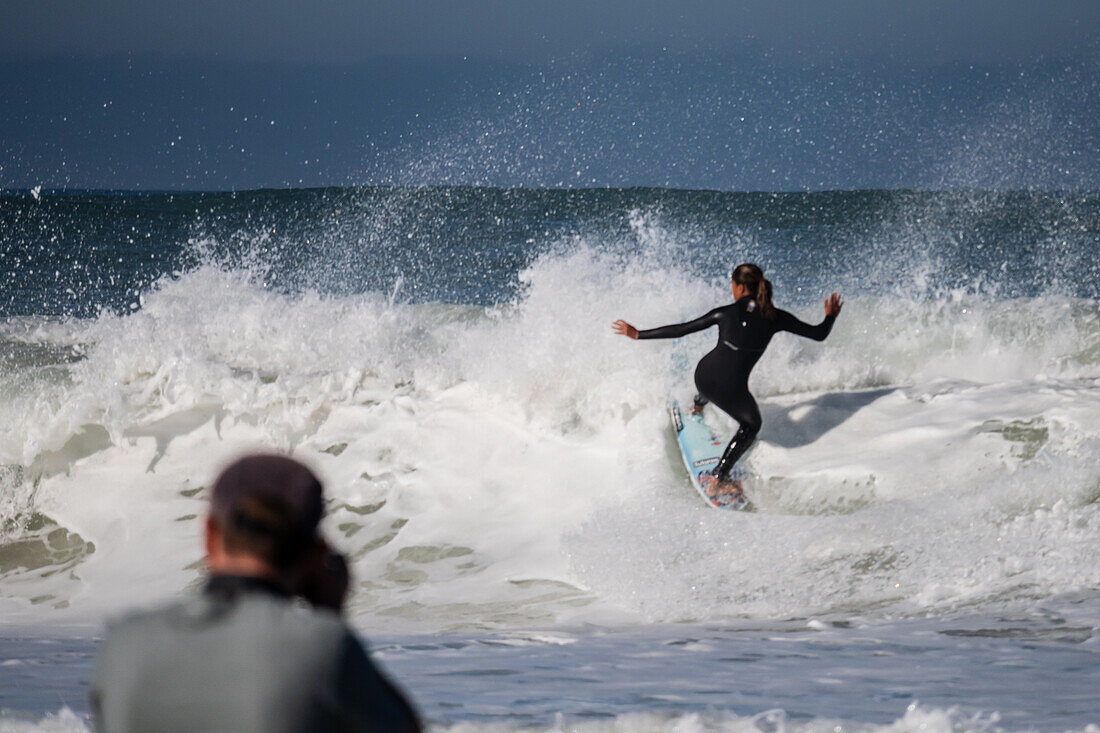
(722, 376)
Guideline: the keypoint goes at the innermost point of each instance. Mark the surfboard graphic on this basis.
(701, 449)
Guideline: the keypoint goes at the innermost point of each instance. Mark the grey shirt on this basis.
(241, 657)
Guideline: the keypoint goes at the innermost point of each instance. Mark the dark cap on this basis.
(269, 495)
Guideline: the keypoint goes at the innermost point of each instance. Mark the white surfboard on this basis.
(701, 449)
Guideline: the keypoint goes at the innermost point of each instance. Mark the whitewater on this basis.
(527, 552)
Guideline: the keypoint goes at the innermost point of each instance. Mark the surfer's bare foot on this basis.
(709, 485)
(716, 489)
(696, 410)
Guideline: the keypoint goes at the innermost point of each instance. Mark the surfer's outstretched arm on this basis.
(674, 331)
(791, 324)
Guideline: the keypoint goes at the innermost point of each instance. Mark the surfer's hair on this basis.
(752, 277)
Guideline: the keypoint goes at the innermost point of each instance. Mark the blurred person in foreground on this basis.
(245, 654)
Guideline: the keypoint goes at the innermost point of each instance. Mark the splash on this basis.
(485, 463)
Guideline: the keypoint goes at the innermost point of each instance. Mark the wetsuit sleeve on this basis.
(370, 702)
(786, 322)
(677, 330)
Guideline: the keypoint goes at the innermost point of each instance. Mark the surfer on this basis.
(745, 327)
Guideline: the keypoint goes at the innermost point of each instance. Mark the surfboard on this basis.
(701, 449)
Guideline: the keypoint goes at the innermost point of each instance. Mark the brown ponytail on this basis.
(752, 277)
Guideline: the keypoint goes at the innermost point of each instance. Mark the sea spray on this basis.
(496, 457)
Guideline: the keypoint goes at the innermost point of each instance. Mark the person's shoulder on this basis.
(130, 636)
(288, 617)
(200, 610)
(318, 622)
(296, 622)
(139, 621)
(740, 309)
(315, 638)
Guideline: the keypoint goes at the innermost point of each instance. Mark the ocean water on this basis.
(528, 554)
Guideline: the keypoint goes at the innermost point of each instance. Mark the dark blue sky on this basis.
(756, 95)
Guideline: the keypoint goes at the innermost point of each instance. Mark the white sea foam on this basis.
(64, 721)
(512, 466)
(917, 719)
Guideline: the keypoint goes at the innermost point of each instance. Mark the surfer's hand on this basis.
(833, 304)
(623, 328)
